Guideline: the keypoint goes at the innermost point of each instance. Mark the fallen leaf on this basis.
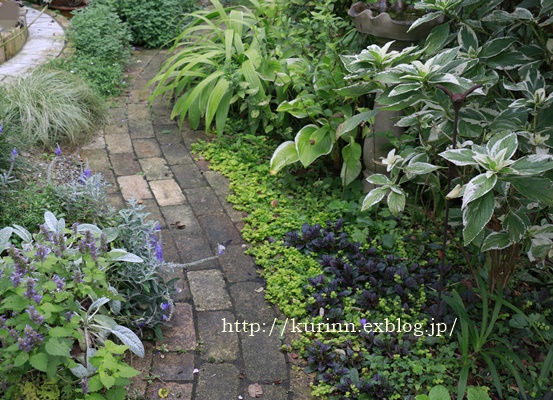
(163, 393)
(196, 371)
(277, 382)
(242, 375)
(166, 131)
(274, 203)
(259, 289)
(255, 391)
(294, 356)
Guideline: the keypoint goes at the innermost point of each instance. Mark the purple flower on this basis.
(2, 322)
(68, 316)
(84, 385)
(34, 314)
(87, 173)
(165, 306)
(1, 129)
(14, 154)
(164, 317)
(84, 176)
(42, 252)
(31, 338)
(58, 150)
(159, 251)
(362, 321)
(78, 276)
(16, 278)
(60, 282)
(220, 248)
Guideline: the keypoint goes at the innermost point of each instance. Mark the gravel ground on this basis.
(62, 169)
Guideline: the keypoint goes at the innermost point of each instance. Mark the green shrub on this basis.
(98, 32)
(103, 77)
(49, 107)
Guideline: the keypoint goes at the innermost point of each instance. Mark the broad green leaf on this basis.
(60, 331)
(459, 157)
(295, 107)
(107, 380)
(351, 167)
(496, 241)
(396, 202)
(39, 361)
(476, 215)
(129, 338)
(354, 122)
(439, 393)
(467, 38)
(426, 18)
(532, 164)
(58, 347)
(534, 187)
(313, 142)
(478, 187)
(22, 358)
(284, 154)
(373, 197)
(215, 100)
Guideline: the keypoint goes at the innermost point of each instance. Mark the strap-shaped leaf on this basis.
(354, 122)
(476, 215)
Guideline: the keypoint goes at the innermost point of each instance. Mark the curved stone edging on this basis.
(13, 40)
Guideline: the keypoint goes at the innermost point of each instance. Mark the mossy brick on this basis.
(218, 381)
(208, 290)
(146, 148)
(181, 335)
(218, 336)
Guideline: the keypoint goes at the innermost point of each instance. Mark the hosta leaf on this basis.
(284, 154)
(373, 197)
(313, 142)
(129, 338)
(351, 167)
(496, 241)
(354, 122)
(478, 187)
(396, 202)
(476, 215)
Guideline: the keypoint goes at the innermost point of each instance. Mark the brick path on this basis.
(143, 153)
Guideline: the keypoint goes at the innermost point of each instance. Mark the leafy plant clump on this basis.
(57, 313)
(49, 107)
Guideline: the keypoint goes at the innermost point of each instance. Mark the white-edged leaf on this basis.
(496, 241)
(424, 19)
(130, 339)
(467, 38)
(284, 154)
(396, 202)
(476, 215)
(505, 141)
(459, 157)
(516, 225)
(373, 197)
(420, 168)
(478, 187)
(123, 255)
(532, 164)
(378, 179)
